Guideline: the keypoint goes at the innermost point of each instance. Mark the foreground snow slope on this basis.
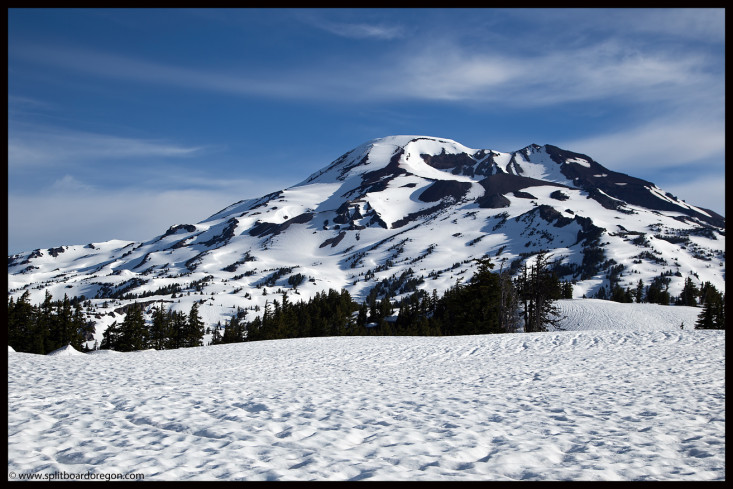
(593, 405)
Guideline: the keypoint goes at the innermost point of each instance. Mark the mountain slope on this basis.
(405, 212)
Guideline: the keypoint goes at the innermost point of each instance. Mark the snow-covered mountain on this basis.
(398, 213)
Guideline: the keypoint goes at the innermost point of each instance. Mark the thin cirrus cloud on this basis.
(706, 192)
(119, 67)
(30, 147)
(356, 30)
(437, 70)
(448, 71)
(657, 144)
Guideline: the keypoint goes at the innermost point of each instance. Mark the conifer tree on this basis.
(539, 288)
(159, 328)
(216, 336)
(110, 337)
(61, 330)
(195, 328)
(177, 326)
(133, 332)
(508, 303)
(712, 315)
(658, 291)
(689, 294)
(80, 328)
(639, 291)
(21, 324)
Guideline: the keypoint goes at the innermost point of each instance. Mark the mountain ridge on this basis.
(401, 204)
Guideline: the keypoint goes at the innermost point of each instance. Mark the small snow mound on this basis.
(66, 351)
(10, 349)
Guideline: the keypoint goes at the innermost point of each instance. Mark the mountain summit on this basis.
(396, 214)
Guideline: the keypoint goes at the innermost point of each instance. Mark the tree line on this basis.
(168, 330)
(490, 302)
(53, 324)
(48, 326)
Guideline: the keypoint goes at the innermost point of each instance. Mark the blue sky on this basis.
(122, 123)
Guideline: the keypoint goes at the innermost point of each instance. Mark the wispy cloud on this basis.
(18, 102)
(444, 70)
(433, 69)
(705, 192)
(655, 144)
(120, 67)
(33, 146)
(356, 30)
(706, 25)
(69, 184)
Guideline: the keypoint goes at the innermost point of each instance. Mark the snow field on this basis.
(609, 315)
(590, 405)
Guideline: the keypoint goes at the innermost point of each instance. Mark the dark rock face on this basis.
(504, 183)
(559, 195)
(496, 186)
(392, 170)
(377, 180)
(54, 252)
(550, 215)
(226, 234)
(270, 228)
(189, 228)
(443, 189)
(333, 241)
(523, 195)
(493, 201)
(445, 161)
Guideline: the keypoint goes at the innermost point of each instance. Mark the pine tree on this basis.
(62, 325)
(639, 291)
(712, 315)
(508, 303)
(159, 329)
(80, 328)
(689, 294)
(177, 326)
(194, 335)
(21, 323)
(44, 322)
(133, 332)
(473, 308)
(539, 289)
(216, 337)
(110, 337)
(658, 291)
(361, 318)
